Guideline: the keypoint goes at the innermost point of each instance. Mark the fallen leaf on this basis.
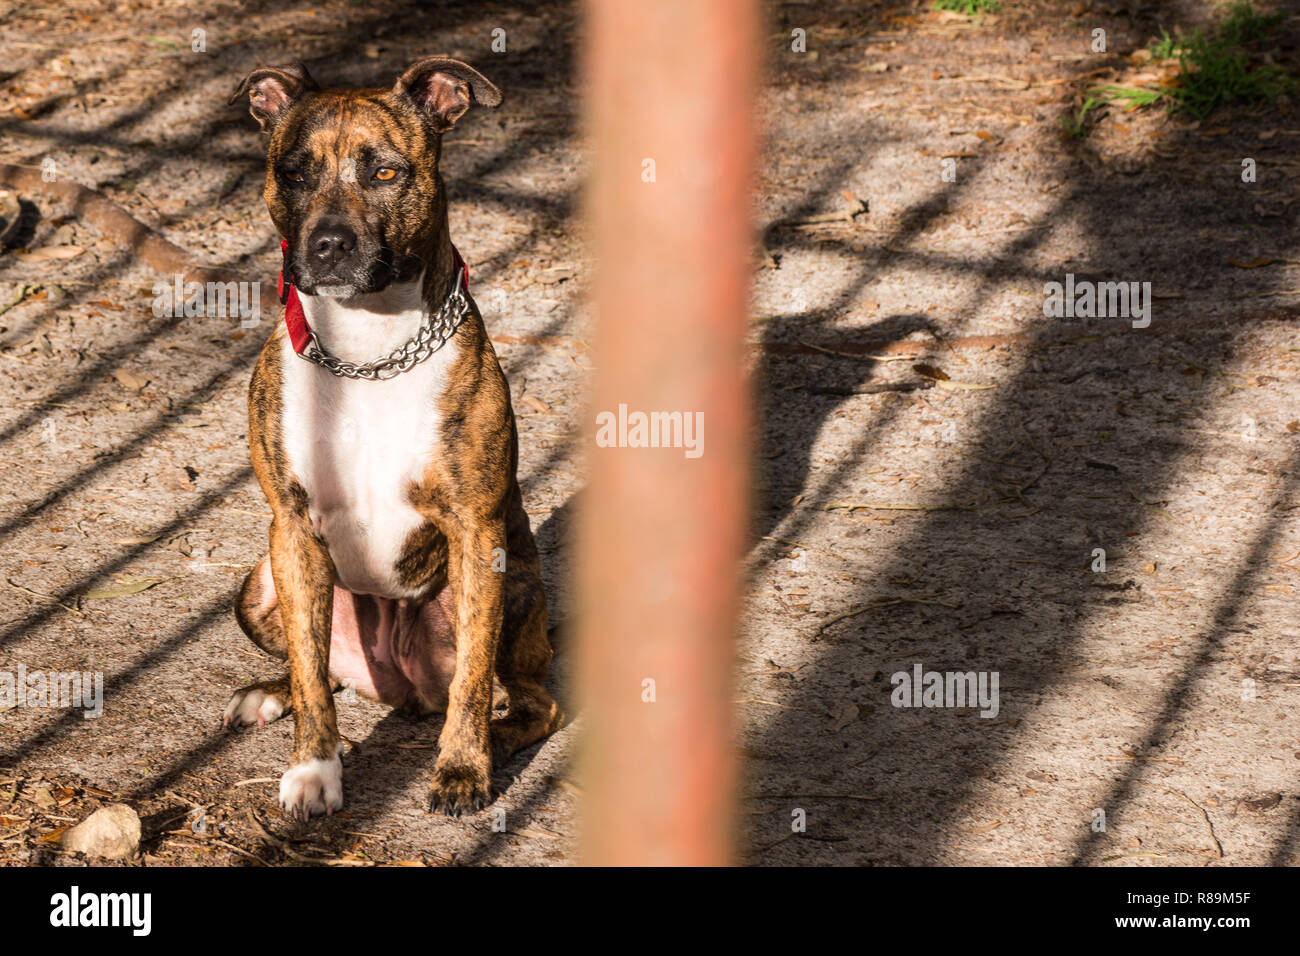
(50, 253)
(930, 372)
(1262, 804)
(536, 404)
(1250, 263)
(130, 380)
(847, 715)
(54, 836)
(987, 827)
(121, 590)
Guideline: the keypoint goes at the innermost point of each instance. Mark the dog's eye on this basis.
(294, 176)
(385, 174)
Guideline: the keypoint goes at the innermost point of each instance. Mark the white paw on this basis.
(252, 705)
(312, 788)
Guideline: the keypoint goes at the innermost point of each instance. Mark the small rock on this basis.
(111, 832)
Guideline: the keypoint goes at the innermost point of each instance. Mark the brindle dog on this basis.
(401, 561)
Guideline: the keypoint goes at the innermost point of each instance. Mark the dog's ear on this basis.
(443, 88)
(272, 90)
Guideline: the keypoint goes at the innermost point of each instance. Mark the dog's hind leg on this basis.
(258, 613)
(257, 609)
(524, 651)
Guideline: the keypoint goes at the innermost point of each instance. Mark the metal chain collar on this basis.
(432, 335)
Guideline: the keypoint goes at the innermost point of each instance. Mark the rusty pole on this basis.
(670, 93)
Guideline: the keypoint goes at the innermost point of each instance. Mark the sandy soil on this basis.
(949, 527)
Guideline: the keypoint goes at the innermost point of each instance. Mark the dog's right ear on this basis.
(272, 90)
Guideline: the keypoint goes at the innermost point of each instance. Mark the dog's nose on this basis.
(329, 244)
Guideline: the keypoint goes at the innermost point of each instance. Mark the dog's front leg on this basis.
(304, 584)
(462, 778)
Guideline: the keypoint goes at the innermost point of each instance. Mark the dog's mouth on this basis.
(345, 280)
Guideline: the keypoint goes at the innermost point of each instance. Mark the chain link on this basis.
(432, 335)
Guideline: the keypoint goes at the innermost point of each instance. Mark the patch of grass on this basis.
(1244, 25)
(1164, 48)
(1213, 71)
(1077, 126)
(971, 8)
(1130, 97)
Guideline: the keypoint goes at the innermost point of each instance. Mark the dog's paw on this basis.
(253, 705)
(458, 788)
(312, 789)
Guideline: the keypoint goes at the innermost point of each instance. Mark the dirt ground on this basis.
(951, 527)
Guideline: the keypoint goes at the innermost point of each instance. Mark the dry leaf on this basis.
(847, 715)
(536, 404)
(1262, 804)
(121, 590)
(1251, 263)
(54, 836)
(50, 254)
(130, 380)
(987, 827)
(929, 371)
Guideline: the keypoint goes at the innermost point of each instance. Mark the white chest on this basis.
(358, 446)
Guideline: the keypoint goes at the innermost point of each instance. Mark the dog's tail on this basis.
(116, 223)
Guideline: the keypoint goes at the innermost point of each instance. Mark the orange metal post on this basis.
(662, 529)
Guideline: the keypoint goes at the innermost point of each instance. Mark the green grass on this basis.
(971, 8)
(1213, 71)
(1243, 25)
(1166, 47)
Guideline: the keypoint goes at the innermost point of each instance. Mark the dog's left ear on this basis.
(444, 88)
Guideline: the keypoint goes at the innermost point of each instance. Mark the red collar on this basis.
(294, 319)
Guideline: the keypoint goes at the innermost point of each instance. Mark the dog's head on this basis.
(352, 175)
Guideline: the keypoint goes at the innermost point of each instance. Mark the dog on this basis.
(401, 562)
